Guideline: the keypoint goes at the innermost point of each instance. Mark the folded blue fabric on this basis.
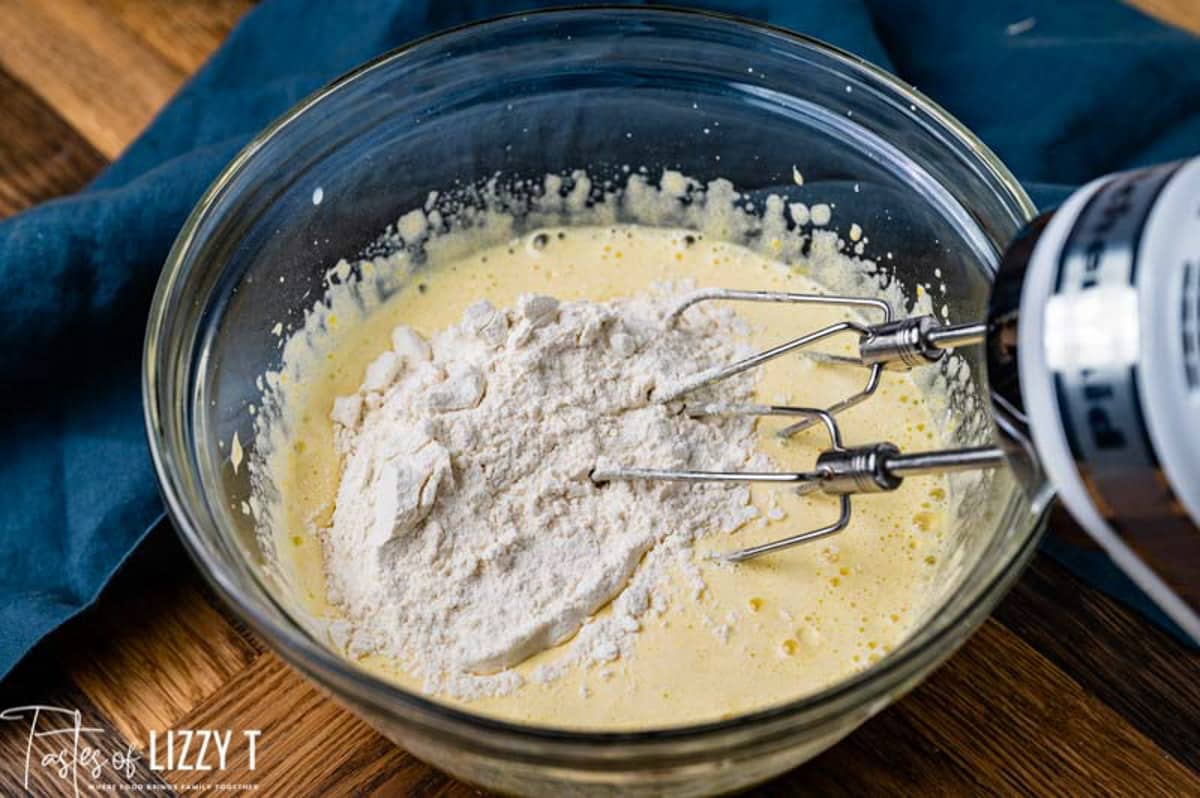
(1063, 90)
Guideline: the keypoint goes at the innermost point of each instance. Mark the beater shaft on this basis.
(946, 461)
(952, 336)
(915, 341)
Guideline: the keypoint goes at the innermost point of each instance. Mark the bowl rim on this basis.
(304, 652)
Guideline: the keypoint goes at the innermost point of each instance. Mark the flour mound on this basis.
(467, 534)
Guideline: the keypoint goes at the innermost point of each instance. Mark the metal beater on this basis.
(839, 470)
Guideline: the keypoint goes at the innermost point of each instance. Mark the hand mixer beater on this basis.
(840, 470)
(1093, 358)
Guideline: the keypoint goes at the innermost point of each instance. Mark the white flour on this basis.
(467, 534)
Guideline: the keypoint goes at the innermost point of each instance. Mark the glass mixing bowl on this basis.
(524, 96)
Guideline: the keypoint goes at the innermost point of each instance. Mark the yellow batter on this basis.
(764, 632)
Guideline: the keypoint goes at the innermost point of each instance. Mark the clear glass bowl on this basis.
(546, 93)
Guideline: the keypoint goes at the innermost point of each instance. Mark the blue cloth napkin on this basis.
(1063, 90)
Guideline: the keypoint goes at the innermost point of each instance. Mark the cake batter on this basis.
(724, 640)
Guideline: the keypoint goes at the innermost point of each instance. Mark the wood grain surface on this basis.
(1063, 691)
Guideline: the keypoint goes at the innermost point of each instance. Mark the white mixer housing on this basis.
(1109, 342)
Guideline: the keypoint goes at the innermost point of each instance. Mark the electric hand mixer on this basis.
(1093, 358)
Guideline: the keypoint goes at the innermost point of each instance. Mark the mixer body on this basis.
(1094, 363)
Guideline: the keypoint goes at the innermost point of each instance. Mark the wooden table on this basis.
(1064, 691)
